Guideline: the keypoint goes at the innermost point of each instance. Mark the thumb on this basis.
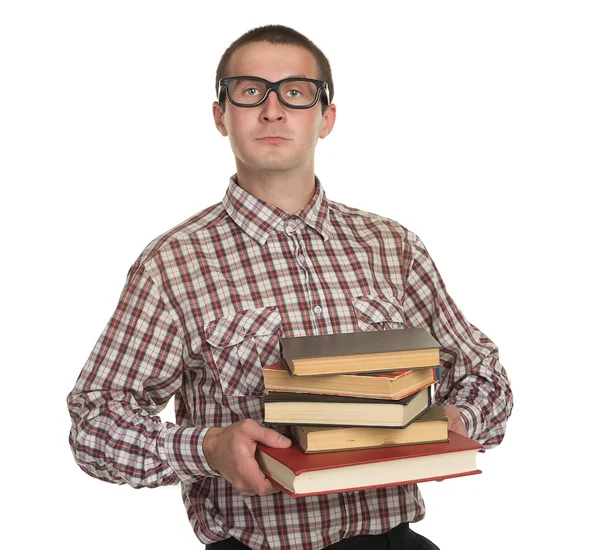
(271, 438)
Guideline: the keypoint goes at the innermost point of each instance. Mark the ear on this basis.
(328, 121)
(218, 115)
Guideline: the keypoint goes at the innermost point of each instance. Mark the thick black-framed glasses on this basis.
(295, 93)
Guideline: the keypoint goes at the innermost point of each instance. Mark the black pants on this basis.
(399, 538)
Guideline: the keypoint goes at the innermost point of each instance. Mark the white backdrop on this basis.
(473, 123)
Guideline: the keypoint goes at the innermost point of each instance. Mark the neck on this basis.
(289, 191)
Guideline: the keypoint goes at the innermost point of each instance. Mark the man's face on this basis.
(249, 128)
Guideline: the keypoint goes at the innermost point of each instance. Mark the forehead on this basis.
(272, 61)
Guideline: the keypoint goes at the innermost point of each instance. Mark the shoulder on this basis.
(195, 228)
(364, 221)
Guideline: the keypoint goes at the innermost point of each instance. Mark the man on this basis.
(205, 304)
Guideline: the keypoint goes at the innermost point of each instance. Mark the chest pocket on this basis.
(377, 312)
(239, 345)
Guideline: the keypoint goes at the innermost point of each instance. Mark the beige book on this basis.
(430, 427)
(327, 410)
(387, 385)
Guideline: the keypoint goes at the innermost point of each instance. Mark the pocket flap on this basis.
(232, 329)
(374, 308)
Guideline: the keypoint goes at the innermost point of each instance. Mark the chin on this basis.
(271, 163)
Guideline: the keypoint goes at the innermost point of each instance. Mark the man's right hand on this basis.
(230, 451)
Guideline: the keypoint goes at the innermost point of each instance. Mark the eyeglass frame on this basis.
(321, 86)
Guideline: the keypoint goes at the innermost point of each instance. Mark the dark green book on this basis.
(359, 352)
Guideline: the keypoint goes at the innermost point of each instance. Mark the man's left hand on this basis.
(455, 422)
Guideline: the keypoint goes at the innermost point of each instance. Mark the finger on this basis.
(274, 489)
(256, 479)
(271, 491)
(459, 428)
(270, 437)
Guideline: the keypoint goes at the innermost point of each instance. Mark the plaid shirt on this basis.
(203, 309)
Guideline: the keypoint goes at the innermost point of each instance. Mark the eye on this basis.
(294, 93)
(251, 91)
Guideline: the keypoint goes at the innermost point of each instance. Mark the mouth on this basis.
(272, 139)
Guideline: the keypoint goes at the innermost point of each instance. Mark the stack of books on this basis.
(358, 407)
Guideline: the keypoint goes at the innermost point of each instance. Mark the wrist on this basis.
(209, 446)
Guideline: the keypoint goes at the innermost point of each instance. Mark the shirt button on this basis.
(318, 310)
(300, 258)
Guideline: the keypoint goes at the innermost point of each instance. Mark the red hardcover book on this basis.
(300, 474)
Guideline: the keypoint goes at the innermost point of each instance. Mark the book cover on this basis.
(387, 385)
(336, 410)
(300, 474)
(369, 351)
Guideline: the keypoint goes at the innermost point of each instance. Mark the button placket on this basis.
(301, 254)
(310, 280)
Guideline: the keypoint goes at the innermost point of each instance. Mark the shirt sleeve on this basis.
(132, 372)
(473, 378)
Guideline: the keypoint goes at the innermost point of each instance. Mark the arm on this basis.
(130, 376)
(132, 373)
(473, 380)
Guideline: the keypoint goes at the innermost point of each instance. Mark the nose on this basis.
(272, 109)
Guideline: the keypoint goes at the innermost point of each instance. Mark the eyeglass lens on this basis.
(295, 92)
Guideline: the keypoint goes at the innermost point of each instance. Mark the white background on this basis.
(475, 124)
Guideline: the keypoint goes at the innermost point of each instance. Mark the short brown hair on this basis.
(277, 34)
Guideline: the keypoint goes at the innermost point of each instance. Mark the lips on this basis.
(272, 139)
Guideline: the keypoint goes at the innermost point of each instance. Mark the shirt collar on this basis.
(258, 219)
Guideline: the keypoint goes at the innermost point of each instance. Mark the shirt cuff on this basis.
(181, 449)
(472, 417)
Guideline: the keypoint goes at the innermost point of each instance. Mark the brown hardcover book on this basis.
(430, 427)
(387, 385)
(354, 352)
(330, 410)
(300, 474)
